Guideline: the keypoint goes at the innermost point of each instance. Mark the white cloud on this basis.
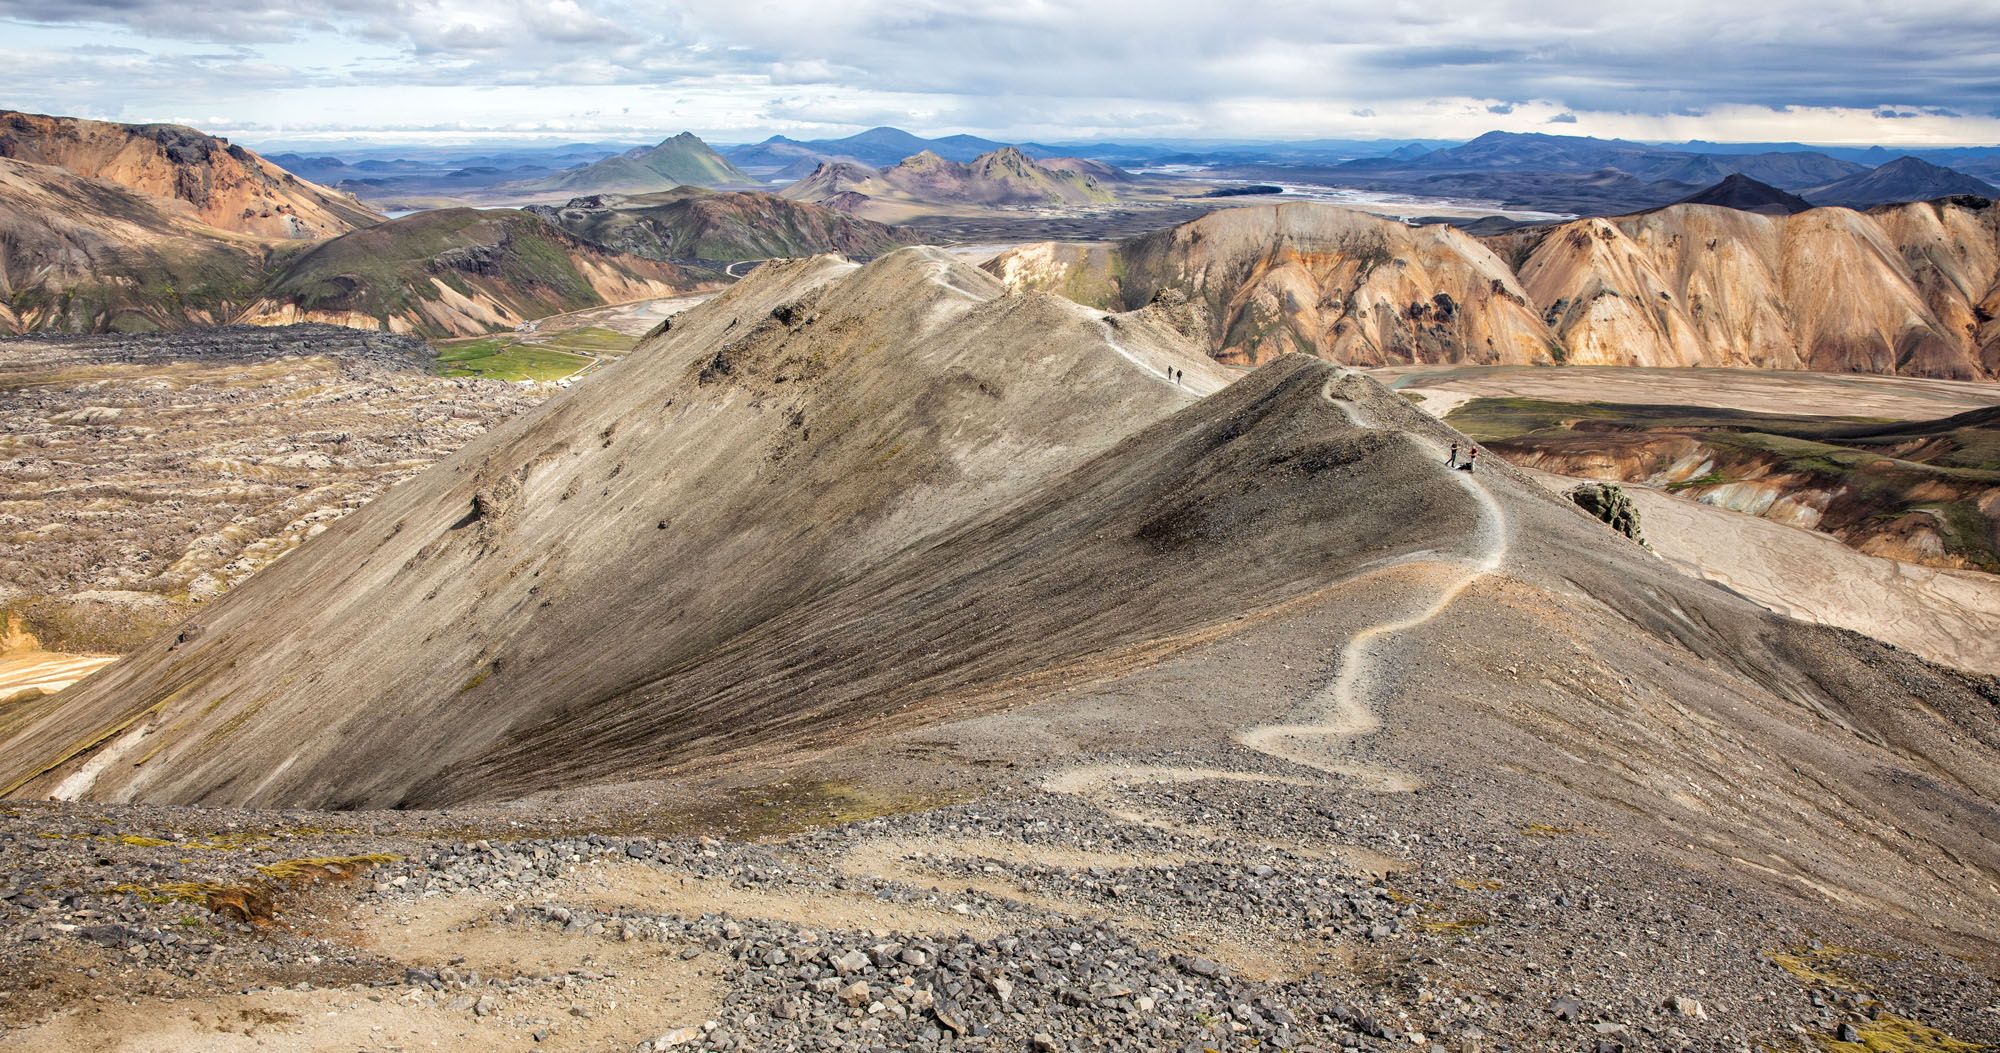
(1784, 69)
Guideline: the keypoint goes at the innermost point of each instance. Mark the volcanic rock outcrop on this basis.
(221, 184)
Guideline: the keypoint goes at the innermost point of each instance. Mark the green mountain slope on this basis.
(459, 272)
(683, 160)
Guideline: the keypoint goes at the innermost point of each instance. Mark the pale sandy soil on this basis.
(577, 992)
(1444, 388)
(1949, 616)
(46, 671)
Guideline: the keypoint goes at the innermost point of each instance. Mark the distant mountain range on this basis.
(695, 224)
(1904, 179)
(1580, 174)
(876, 148)
(1504, 151)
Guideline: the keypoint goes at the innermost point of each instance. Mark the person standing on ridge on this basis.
(1453, 462)
(1471, 457)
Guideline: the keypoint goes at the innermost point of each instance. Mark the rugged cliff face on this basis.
(224, 185)
(1909, 289)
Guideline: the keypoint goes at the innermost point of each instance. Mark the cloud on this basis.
(1197, 67)
(1563, 118)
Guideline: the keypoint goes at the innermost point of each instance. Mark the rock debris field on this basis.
(1032, 923)
(146, 474)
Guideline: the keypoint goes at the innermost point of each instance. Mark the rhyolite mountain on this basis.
(212, 180)
(1908, 289)
(460, 272)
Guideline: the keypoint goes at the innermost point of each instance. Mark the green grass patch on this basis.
(502, 358)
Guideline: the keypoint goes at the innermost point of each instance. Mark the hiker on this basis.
(1453, 462)
(1471, 458)
(1177, 374)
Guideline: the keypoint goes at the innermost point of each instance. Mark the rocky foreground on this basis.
(1038, 922)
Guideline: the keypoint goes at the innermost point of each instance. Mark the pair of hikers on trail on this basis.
(1471, 456)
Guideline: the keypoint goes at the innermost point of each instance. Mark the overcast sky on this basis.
(1824, 71)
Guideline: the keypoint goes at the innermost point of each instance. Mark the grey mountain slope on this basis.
(836, 508)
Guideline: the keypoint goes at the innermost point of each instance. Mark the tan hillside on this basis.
(1343, 285)
(1892, 291)
(222, 184)
(1906, 289)
(840, 419)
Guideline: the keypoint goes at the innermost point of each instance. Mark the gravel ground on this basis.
(1032, 922)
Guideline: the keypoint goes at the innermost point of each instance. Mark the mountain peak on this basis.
(1741, 192)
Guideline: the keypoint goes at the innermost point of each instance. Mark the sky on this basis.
(1909, 72)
